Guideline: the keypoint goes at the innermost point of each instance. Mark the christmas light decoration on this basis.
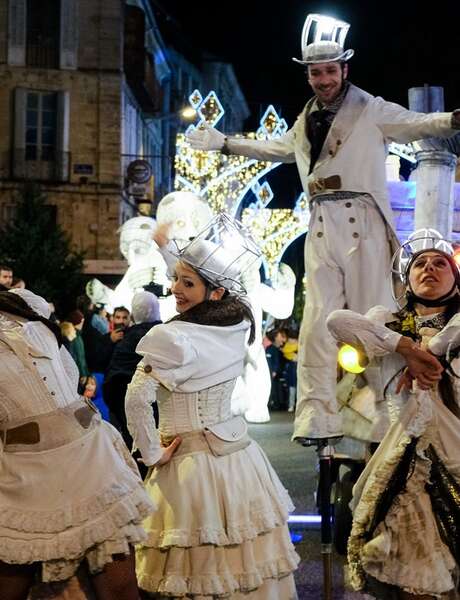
(225, 181)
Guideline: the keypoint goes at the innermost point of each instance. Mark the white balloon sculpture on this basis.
(145, 265)
(252, 390)
(186, 213)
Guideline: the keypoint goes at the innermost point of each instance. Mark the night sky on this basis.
(397, 45)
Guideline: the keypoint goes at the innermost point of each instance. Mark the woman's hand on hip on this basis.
(168, 452)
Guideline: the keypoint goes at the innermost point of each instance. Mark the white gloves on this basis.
(206, 138)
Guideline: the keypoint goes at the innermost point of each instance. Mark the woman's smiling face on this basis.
(188, 287)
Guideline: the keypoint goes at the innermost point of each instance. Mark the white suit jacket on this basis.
(356, 145)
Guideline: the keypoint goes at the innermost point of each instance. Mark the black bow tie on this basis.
(321, 116)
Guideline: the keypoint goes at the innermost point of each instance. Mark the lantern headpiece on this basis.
(323, 40)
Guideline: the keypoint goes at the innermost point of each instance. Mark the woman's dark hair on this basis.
(446, 389)
(229, 310)
(85, 304)
(452, 308)
(249, 316)
(15, 305)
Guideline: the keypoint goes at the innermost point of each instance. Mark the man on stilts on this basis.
(339, 143)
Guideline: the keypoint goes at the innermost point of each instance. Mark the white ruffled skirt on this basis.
(220, 530)
(84, 500)
(406, 550)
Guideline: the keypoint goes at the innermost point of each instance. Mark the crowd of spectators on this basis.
(281, 344)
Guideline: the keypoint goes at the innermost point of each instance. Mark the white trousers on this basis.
(347, 265)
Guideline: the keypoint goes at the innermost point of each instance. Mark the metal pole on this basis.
(325, 454)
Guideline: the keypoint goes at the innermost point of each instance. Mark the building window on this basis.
(41, 135)
(41, 126)
(8, 213)
(42, 35)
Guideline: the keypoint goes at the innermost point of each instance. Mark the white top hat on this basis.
(323, 39)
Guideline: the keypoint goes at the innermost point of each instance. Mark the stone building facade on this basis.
(86, 88)
(60, 113)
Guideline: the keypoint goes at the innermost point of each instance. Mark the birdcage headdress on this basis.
(221, 253)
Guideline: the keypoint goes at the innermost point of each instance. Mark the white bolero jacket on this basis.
(190, 370)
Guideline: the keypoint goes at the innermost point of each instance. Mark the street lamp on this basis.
(186, 113)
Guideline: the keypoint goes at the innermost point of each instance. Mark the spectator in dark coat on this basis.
(77, 346)
(146, 314)
(98, 347)
(275, 359)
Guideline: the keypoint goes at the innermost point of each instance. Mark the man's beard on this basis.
(339, 90)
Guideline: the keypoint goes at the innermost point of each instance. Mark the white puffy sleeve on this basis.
(171, 357)
(140, 396)
(447, 339)
(367, 332)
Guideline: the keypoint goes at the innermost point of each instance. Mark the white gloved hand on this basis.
(205, 138)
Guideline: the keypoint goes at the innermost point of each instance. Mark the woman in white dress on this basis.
(70, 492)
(405, 539)
(220, 529)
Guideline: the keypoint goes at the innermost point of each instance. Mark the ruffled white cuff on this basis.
(140, 396)
(355, 329)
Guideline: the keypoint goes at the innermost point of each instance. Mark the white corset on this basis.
(182, 412)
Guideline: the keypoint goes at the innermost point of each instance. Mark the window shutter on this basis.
(19, 148)
(62, 141)
(68, 56)
(17, 33)
(20, 102)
